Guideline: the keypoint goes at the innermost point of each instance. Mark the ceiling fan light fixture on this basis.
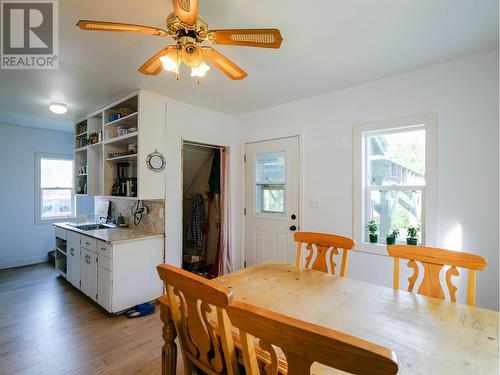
(200, 70)
(169, 64)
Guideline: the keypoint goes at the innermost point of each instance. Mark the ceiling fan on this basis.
(188, 29)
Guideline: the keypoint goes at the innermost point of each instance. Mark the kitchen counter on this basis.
(112, 235)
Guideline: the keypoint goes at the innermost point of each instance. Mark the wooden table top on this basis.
(429, 335)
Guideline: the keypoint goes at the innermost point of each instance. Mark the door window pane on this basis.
(270, 182)
(56, 203)
(270, 167)
(396, 158)
(391, 208)
(271, 198)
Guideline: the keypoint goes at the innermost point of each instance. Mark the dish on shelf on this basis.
(125, 111)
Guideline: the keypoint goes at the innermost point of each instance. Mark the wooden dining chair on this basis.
(433, 260)
(321, 248)
(303, 343)
(207, 345)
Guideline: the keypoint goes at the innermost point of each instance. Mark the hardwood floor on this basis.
(48, 327)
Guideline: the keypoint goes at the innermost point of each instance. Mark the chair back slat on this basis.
(192, 300)
(304, 343)
(321, 249)
(433, 260)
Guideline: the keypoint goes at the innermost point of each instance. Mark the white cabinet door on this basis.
(104, 287)
(89, 273)
(74, 259)
(84, 268)
(92, 265)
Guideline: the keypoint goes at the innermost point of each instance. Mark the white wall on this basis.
(23, 242)
(464, 94)
(191, 123)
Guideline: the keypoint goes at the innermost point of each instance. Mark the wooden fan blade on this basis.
(186, 10)
(120, 27)
(154, 65)
(264, 38)
(220, 61)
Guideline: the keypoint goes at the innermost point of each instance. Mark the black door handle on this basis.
(293, 216)
(293, 228)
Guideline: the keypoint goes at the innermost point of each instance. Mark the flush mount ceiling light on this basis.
(58, 108)
(189, 30)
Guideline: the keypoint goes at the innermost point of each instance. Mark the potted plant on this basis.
(391, 237)
(412, 233)
(373, 229)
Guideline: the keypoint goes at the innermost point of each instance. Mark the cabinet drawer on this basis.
(104, 248)
(61, 233)
(104, 262)
(88, 243)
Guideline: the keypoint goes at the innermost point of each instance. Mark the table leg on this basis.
(169, 349)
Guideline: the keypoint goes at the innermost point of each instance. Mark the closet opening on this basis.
(205, 207)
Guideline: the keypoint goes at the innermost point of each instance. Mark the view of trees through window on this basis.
(270, 179)
(395, 179)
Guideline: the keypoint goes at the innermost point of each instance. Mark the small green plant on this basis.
(372, 227)
(394, 233)
(412, 232)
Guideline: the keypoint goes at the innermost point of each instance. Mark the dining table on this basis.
(429, 335)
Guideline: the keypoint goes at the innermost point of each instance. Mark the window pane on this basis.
(270, 167)
(396, 158)
(56, 203)
(395, 208)
(56, 173)
(271, 198)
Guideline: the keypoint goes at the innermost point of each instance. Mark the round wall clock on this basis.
(156, 162)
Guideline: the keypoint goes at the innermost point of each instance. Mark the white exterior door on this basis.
(272, 200)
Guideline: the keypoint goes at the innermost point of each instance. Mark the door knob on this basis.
(293, 216)
(293, 228)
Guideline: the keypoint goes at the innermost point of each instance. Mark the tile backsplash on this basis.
(153, 221)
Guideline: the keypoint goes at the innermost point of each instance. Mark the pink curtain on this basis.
(225, 264)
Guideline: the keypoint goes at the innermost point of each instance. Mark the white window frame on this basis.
(38, 189)
(429, 192)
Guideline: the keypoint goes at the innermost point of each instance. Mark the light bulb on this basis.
(200, 70)
(169, 64)
(58, 108)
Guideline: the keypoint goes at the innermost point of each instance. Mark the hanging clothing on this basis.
(196, 222)
(214, 179)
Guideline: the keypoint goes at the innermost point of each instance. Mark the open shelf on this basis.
(126, 121)
(131, 157)
(119, 197)
(121, 139)
(123, 142)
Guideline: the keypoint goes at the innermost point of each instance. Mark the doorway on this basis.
(203, 211)
(271, 200)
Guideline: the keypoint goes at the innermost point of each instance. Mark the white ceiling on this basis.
(328, 45)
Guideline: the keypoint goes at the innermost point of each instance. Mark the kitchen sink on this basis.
(95, 226)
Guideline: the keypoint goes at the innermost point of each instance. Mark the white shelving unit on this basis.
(123, 142)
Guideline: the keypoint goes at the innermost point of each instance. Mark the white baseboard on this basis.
(23, 262)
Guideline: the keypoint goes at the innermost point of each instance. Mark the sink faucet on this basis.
(109, 219)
